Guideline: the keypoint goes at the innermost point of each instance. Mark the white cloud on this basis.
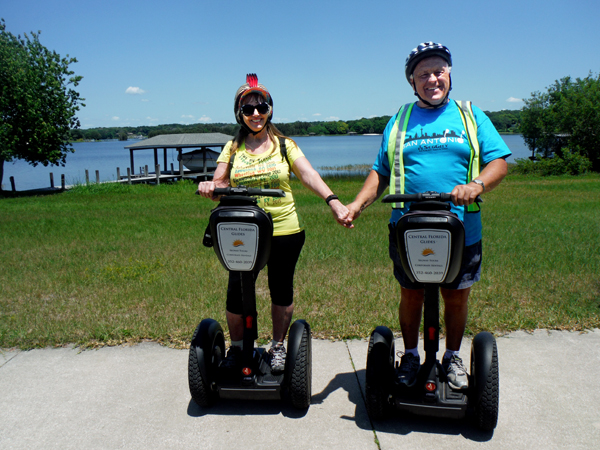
(116, 118)
(188, 116)
(316, 114)
(204, 119)
(145, 100)
(332, 119)
(134, 90)
(513, 100)
(151, 119)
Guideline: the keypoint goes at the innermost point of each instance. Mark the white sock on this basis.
(239, 344)
(412, 351)
(274, 343)
(450, 353)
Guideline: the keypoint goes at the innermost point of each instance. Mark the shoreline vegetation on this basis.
(109, 264)
(505, 121)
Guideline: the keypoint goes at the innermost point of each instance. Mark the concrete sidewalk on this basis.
(137, 398)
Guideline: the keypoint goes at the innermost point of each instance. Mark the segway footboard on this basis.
(263, 384)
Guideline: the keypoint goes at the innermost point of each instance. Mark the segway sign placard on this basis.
(428, 253)
(238, 243)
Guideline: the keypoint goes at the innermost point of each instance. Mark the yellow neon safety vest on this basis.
(398, 135)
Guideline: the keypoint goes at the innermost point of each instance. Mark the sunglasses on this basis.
(248, 110)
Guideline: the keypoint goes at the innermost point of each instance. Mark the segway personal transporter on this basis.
(430, 242)
(240, 233)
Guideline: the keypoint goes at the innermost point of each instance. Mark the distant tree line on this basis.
(504, 121)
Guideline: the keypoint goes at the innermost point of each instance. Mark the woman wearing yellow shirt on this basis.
(254, 159)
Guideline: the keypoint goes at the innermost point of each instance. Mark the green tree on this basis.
(37, 101)
(567, 116)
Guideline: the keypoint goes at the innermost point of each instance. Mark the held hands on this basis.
(341, 213)
(354, 210)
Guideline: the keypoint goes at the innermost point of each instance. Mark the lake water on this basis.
(321, 151)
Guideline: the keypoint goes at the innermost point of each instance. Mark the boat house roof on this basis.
(179, 141)
(184, 140)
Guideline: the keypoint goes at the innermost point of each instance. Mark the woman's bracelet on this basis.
(331, 197)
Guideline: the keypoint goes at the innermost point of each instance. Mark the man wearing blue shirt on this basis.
(436, 152)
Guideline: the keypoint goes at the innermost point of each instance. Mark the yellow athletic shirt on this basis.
(269, 170)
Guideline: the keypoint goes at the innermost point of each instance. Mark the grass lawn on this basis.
(108, 264)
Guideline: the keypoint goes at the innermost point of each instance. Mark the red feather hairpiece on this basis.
(252, 80)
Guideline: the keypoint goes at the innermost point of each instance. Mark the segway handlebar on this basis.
(249, 192)
(421, 197)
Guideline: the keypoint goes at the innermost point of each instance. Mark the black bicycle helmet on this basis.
(418, 54)
(422, 51)
(251, 86)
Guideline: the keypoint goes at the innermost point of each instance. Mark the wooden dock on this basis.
(157, 177)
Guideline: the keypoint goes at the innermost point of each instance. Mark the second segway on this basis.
(430, 242)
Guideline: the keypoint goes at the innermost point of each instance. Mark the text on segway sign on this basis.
(239, 244)
(428, 253)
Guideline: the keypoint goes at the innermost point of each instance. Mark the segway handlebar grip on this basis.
(249, 192)
(421, 197)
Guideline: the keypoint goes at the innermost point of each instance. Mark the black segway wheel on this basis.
(207, 349)
(380, 371)
(486, 380)
(299, 364)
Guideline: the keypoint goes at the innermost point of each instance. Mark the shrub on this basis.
(570, 163)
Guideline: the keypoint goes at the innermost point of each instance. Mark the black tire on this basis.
(207, 349)
(486, 379)
(300, 370)
(380, 372)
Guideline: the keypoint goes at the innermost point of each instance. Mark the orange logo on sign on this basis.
(238, 243)
(427, 252)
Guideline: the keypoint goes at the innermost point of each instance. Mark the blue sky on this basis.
(156, 62)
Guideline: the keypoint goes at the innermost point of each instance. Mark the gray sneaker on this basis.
(407, 372)
(277, 356)
(456, 372)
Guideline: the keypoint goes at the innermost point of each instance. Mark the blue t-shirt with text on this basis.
(437, 154)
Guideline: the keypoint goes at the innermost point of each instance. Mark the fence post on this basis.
(62, 182)
(146, 170)
(157, 168)
(128, 175)
(172, 171)
(87, 177)
(12, 184)
(51, 180)
(118, 174)
(97, 177)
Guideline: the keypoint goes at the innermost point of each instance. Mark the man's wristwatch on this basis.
(480, 183)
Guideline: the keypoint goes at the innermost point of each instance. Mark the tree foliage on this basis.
(506, 120)
(567, 116)
(503, 121)
(37, 101)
